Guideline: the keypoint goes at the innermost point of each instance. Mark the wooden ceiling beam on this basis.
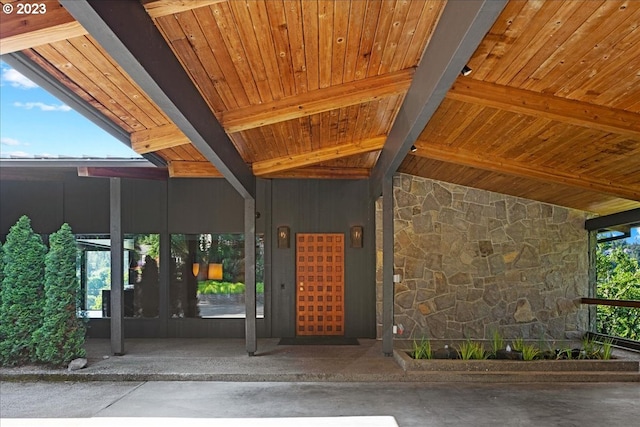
(545, 106)
(280, 164)
(317, 101)
(190, 169)
(323, 172)
(20, 31)
(149, 61)
(24, 31)
(510, 167)
(459, 31)
(157, 174)
(159, 8)
(158, 138)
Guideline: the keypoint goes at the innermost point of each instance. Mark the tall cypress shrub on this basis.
(1, 271)
(22, 293)
(61, 337)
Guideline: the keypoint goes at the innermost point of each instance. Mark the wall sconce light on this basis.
(283, 237)
(214, 272)
(466, 71)
(195, 269)
(356, 236)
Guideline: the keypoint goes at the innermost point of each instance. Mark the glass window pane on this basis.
(618, 278)
(94, 272)
(142, 280)
(207, 276)
(141, 275)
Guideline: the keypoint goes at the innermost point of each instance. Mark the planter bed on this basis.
(408, 363)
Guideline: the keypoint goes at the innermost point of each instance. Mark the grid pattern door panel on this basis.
(320, 284)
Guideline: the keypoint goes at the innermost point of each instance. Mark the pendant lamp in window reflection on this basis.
(214, 272)
(195, 269)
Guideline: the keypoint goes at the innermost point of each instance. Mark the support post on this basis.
(250, 274)
(593, 284)
(165, 281)
(387, 266)
(117, 267)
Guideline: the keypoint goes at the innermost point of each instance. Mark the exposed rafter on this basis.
(127, 32)
(54, 33)
(158, 138)
(36, 74)
(546, 106)
(158, 174)
(24, 31)
(158, 8)
(317, 101)
(322, 172)
(187, 169)
(457, 35)
(190, 169)
(295, 161)
(511, 167)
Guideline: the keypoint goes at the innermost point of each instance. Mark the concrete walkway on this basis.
(197, 382)
(227, 360)
(223, 360)
(311, 404)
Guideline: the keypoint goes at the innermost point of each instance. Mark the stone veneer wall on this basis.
(474, 261)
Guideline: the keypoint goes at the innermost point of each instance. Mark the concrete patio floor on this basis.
(227, 360)
(193, 382)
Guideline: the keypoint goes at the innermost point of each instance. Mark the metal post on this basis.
(387, 266)
(117, 267)
(592, 291)
(165, 281)
(250, 274)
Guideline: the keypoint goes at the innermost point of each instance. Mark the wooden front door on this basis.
(320, 284)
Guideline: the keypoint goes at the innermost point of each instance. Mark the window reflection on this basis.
(141, 275)
(207, 276)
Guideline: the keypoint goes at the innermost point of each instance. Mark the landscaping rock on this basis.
(509, 355)
(445, 353)
(77, 364)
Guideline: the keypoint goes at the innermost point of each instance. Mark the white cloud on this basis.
(12, 142)
(17, 154)
(42, 106)
(9, 141)
(16, 79)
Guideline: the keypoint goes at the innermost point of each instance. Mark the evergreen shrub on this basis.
(61, 337)
(22, 293)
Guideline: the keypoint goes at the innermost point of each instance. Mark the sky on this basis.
(35, 123)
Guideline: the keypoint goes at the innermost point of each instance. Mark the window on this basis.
(618, 278)
(207, 276)
(141, 275)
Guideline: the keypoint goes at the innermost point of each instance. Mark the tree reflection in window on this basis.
(141, 287)
(197, 289)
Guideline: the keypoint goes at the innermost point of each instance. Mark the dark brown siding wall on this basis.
(212, 205)
(325, 206)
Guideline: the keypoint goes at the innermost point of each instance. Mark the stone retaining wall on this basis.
(474, 261)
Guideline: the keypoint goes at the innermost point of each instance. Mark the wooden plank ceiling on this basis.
(311, 89)
(550, 111)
